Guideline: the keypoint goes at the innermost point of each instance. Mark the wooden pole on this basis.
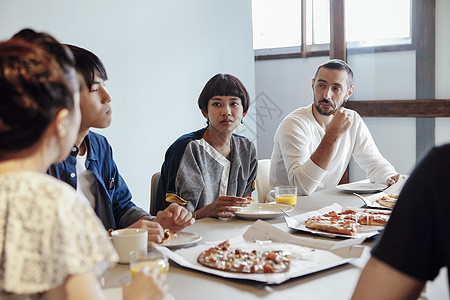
(338, 48)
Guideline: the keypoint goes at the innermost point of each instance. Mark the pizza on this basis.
(223, 258)
(174, 198)
(388, 200)
(168, 235)
(368, 217)
(334, 222)
(348, 221)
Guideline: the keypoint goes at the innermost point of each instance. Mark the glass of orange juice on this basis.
(286, 195)
(152, 258)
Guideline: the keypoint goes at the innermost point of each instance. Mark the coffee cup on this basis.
(127, 240)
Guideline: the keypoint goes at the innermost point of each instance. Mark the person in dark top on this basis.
(212, 169)
(416, 242)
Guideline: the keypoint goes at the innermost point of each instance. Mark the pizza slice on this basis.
(169, 235)
(373, 219)
(388, 200)
(368, 217)
(334, 222)
(174, 198)
(348, 221)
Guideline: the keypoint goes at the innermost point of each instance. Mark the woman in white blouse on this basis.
(52, 245)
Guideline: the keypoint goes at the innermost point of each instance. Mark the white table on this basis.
(335, 283)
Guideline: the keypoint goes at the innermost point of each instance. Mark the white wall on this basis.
(159, 55)
(281, 86)
(286, 84)
(387, 76)
(442, 66)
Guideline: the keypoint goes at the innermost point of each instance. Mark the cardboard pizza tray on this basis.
(298, 223)
(307, 255)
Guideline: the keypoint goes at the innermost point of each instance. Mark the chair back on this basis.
(262, 179)
(153, 188)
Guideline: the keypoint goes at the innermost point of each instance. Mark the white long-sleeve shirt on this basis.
(298, 137)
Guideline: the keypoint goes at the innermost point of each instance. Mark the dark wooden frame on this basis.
(337, 30)
(439, 108)
(424, 32)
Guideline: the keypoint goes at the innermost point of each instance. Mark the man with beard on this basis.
(313, 145)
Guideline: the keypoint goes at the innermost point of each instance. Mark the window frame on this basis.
(314, 50)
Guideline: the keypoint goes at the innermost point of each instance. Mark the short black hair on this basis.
(87, 63)
(337, 64)
(223, 85)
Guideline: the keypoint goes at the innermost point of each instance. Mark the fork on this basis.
(285, 212)
(361, 197)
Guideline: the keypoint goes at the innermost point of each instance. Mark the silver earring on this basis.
(207, 121)
(242, 121)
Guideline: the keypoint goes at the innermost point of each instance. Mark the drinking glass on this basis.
(152, 258)
(286, 195)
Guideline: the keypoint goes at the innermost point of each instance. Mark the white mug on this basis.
(127, 240)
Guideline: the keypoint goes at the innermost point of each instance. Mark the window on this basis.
(277, 25)
(377, 22)
(317, 22)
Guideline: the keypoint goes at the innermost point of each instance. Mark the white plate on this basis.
(362, 187)
(263, 211)
(183, 239)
